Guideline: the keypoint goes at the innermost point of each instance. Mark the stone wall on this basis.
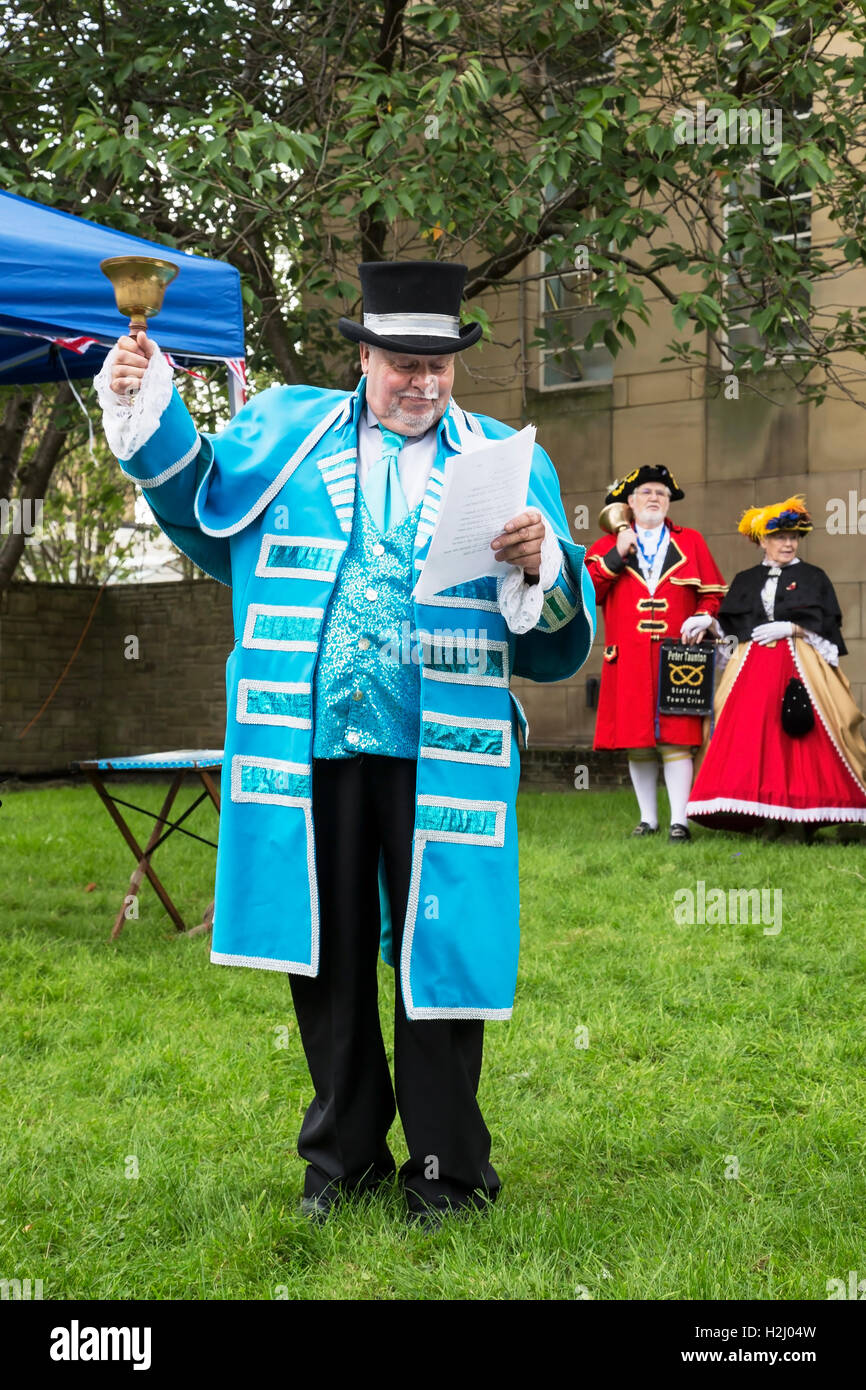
(570, 769)
(110, 702)
(171, 695)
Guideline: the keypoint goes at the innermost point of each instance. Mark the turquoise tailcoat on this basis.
(266, 507)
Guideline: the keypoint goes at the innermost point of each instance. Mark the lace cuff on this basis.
(521, 603)
(828, 650)
(129, 426)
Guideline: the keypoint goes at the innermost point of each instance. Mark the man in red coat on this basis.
(654, 581)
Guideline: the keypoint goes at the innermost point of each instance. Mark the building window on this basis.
(754, 201)
(567, 308)
(567, 311)
(785, 210)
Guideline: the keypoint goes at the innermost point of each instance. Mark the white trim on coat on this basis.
(461, 755)
(429, 1011)
(433, 673)
(465, 837)
(265, 571)
(242, 760)
(484, 605)
(288, 721)
(289, 967)
(343, 457)
(275, 644)
(183, 462)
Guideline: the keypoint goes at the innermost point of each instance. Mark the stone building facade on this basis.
(728, 451)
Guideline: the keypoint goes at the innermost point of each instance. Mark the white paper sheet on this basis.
(486, 486)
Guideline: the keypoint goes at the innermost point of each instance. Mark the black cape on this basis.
(810, 601)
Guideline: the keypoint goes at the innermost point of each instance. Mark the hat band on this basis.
(414, 325)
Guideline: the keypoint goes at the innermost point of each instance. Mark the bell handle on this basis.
(136, 325)
(625, 526)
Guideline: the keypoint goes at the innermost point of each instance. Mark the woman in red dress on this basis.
(787, 745)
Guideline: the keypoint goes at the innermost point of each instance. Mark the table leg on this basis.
(205, 924)
(209, 783)
(141, 855)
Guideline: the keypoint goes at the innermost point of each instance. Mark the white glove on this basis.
(771, 632)
(696, 624)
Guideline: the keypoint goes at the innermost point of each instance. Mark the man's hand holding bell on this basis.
(130, 364)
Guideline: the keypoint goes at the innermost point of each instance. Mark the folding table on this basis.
(199, 762)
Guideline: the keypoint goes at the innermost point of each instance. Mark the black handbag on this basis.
(798, 716)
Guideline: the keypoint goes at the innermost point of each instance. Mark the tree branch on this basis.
(35, 479)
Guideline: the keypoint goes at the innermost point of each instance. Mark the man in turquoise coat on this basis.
(371, 748)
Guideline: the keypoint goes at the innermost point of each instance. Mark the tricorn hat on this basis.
(412, 306)
(648, 473)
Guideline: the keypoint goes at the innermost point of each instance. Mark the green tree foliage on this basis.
(294, 139)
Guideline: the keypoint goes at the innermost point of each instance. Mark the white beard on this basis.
(416, 424)
(649, 520)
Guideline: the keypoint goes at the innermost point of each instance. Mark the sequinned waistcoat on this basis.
(368, 687)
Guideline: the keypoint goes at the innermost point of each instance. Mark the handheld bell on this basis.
(139, 287)
(616, 517)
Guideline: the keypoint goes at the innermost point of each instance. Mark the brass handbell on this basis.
(616, 517)
(139, 286)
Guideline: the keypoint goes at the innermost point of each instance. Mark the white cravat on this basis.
(768, 593)
(649, 535)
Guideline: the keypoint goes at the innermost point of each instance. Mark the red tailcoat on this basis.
(635, 622)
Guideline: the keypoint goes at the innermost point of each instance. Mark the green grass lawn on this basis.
(711, 1049)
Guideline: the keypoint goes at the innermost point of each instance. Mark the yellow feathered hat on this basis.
(791, 515)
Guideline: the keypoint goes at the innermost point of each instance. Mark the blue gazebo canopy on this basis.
(51, 285)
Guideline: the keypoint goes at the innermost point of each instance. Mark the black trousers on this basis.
(361, 805)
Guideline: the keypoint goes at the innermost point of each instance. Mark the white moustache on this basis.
(431, 393)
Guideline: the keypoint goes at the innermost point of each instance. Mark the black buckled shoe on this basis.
(678, 833)
(645, 829)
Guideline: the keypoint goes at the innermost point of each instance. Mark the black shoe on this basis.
(645, 829)
(426, 1221)
(319, 1207)
(679, 832)
(771, 830)
(430, 1218)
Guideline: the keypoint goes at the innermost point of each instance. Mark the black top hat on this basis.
(647, 473)
(412, 306)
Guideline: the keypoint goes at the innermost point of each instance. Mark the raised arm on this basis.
(156, 443)
(152, 433)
